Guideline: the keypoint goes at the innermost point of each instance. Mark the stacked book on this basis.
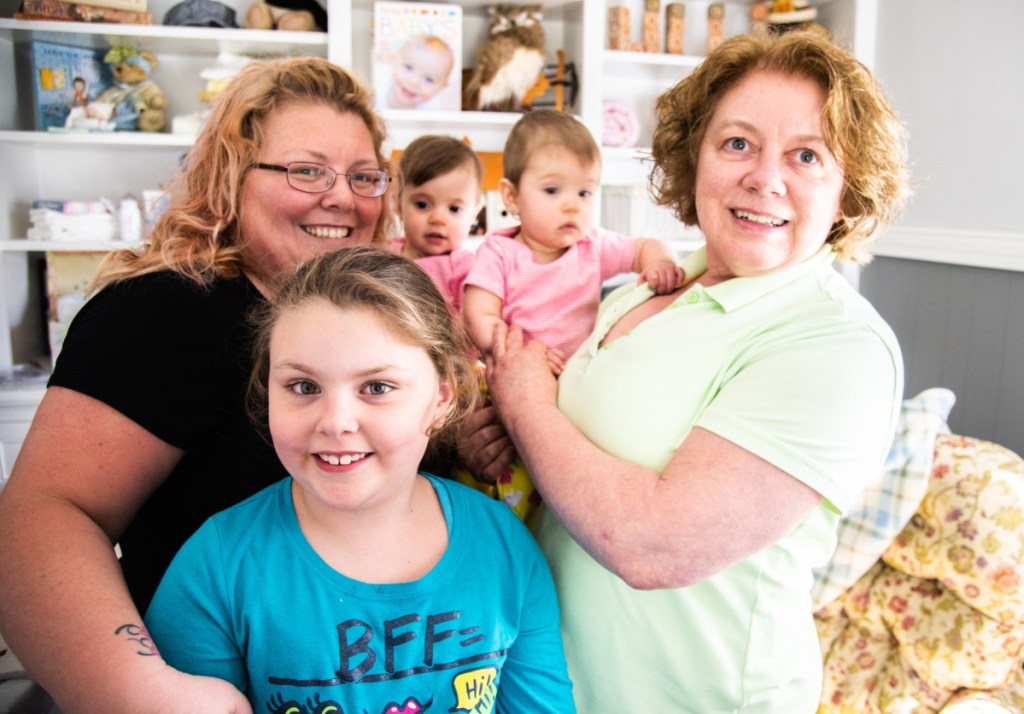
(131, 12)
(73, 221)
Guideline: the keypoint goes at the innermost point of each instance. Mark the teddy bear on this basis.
(134, 101)
(291, 15)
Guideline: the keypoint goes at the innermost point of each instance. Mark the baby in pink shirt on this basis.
(438, 201)
(546, 273)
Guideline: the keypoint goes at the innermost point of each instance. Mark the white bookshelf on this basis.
(39, 165)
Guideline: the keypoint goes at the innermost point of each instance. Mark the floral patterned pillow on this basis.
(968, 532)
(937, 624)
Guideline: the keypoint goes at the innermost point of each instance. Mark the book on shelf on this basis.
(134, 5)
(61, 80)
(80, 12)
(417, 56)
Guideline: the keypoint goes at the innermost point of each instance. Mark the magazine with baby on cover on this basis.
(417, 56)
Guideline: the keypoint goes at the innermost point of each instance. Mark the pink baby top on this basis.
(449, 272)
(555, 303)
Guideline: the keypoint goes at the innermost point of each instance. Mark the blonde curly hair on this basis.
(861, 130)
(197, 235)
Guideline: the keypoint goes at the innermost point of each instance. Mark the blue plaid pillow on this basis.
(887, 503)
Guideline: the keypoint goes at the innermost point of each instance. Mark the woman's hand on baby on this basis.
(663, 276)
(519, 374)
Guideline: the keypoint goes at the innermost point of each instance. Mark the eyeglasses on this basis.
(317, 178)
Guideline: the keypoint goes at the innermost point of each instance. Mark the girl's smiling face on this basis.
(351, 403)
(768, 189)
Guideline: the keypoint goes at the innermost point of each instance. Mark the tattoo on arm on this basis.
(140, 636)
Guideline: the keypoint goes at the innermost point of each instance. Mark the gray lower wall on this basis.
(961, 328)
(953, 71)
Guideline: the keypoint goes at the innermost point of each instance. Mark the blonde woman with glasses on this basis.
(142, 433)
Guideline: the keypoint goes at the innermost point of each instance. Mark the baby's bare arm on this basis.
(657, 265)
(482, 311)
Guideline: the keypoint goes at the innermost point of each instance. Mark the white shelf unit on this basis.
(62, 166)
(89, 166)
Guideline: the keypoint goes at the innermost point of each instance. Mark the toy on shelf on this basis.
(133, 102)
(508, 63)
(219, 75)
(791, 11)
(675, 13)
(554, 79)
(759, 12)
(289, 15)
(620, 32)
(619, 124)
(618, 28)
(216, 77)
(716, 25)
(201, 13)
(789, 15)
(650, 32)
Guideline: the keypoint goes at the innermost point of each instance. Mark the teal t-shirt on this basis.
(247, 599)
(795, 367)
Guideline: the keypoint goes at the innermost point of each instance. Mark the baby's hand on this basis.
(663, 276)
(556, 360)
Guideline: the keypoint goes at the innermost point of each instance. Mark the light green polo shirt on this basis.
(795, 367)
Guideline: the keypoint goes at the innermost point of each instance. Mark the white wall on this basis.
(955, 73)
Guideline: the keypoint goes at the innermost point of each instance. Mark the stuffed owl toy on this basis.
(509, 60)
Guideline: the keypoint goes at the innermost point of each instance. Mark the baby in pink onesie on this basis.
(546, 274)
(438, 201)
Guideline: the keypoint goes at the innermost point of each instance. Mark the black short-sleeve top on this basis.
(175, 358)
